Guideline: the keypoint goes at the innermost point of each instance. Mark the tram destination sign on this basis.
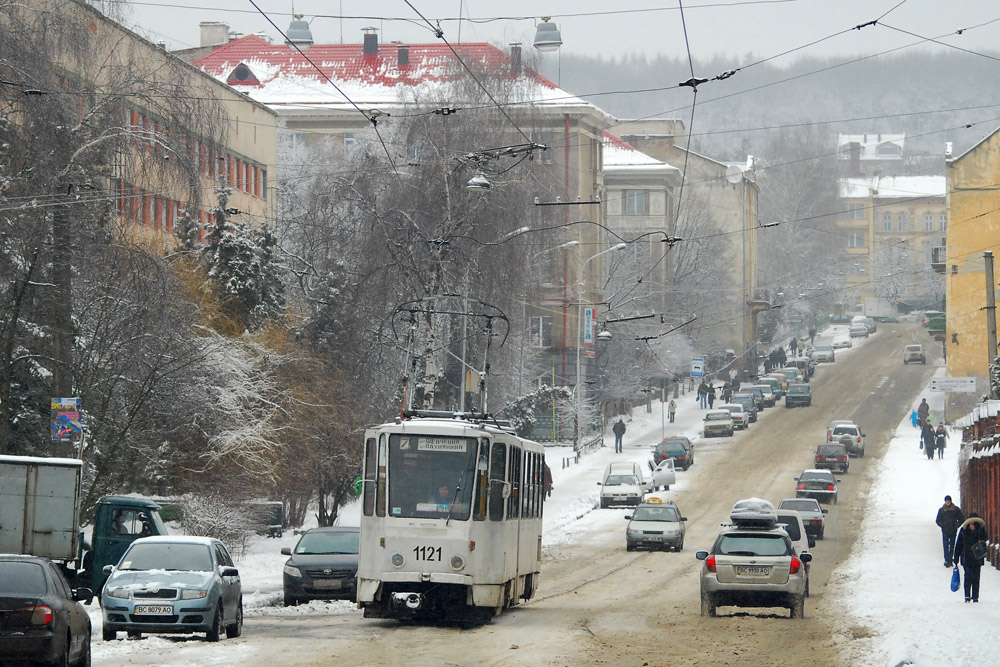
(967, 384)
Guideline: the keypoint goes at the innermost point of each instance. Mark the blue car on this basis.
(168, 584)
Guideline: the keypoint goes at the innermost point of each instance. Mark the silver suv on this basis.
(753, 564)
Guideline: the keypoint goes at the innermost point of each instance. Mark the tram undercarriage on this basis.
(452, 603)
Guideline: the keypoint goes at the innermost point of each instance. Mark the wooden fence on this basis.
(979, 470)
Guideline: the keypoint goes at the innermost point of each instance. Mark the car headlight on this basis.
(193, 595)
(632, 533)
(121, 593)
(293, 571)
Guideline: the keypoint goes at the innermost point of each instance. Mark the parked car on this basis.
(793, 375)
(173, 584)
(858, 330)
(840, 319)
(748, 403)
(718, 422)
(655, 524)
(41, 619)
(770, 398)
(823, 353)
(624, 484)
(663, 474)
(778, 385)
(851, 437)
(322, 566)
(678, 448)
(756, 392)
(741, 418)
(798, 394)
(841, 342)
(753, 564)
(806, 366)
(914, 353)
(818, 484)
(832, 456)
(811, 513)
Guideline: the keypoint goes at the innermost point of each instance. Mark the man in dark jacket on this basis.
(970, 548)
(922, 411)
(949, 518)
(619, 430)
(927, 438)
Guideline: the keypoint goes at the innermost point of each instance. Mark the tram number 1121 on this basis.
(427, 553)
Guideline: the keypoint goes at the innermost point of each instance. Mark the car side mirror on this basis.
(600, 484)
(806, 557)
(684, 518)
(108, 569)
(838, 481)
(229, 572)
(286, 551)
(826, 511)
(812, 541)
(628, 516)
(701, 555)
(84, 595)
(796, 478)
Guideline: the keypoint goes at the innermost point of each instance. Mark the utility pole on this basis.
(991, 320)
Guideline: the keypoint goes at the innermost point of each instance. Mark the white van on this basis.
(624, 484)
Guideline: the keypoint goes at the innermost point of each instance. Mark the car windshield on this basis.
(798, 389)
(716, 416)
(824, 477)
(830, 450)
(167, 556)
(913, 348)
(682, 442)
(768, 544)
(804, 505)
(618, 480)
(21, 578)
(645, 513)
(322, 542)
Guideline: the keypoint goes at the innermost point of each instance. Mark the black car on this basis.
(40, 616)
(798, 394)
(323, 565)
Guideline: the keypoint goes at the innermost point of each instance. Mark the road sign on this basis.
(967, 385)
(697, 367)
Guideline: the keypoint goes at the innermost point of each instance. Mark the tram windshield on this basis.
(431, 476)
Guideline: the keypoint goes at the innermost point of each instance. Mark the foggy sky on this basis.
(737, 29)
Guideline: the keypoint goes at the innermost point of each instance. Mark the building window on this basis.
(856, 212)
(901, 222)
(855, 239)
(635, 202)
(887, 222)
(943, 222)
(545, 139)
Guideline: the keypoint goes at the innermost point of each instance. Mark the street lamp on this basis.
(579, 335)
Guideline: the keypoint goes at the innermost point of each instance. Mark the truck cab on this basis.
(118, 521)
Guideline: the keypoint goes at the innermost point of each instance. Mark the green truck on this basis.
(40, 516)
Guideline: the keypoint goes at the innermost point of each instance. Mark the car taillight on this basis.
(34, 615)
(843, 458)
(710, 563)
(795, 566)
(819, 458)
(801, 486)
(859, 439)
(830, 488)
(814, 522)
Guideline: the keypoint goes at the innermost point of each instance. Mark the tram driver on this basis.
(442, 498)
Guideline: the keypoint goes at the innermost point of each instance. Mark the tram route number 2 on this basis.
(427, 553)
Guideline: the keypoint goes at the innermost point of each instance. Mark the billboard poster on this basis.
(66, 425)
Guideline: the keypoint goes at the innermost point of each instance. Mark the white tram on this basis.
(451, 522)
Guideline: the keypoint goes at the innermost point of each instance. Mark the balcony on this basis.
(938, 258)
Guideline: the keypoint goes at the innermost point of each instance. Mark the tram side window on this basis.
(371, 465)
(533, 513)
(482, 480)
(498, 466)
(514, 477)
(529, 489)
(382, 456)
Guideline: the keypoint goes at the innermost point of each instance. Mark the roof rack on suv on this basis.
(754, 513)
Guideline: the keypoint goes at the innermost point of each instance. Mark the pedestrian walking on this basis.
(727, 391)
(927, 441)
(970, 549)
(671, 410)
(793, 345)
(703, 394)
(922, 411)
(711, 396)
(949, 518)
(547, 480)
(812, 336)
(940, 438)
(619, 430)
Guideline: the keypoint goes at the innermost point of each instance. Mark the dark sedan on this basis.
(323, 565)
(676, 447)
(798, 394)
(40, 616)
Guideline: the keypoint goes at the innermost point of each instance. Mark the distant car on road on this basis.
(676, 447)
(655, 524)
(748, 403)
(811, 513)
(718, 422)
(818, 484)
(832, 456)
(741, 419)
(841, 342)
(322, 566)
(798, 394)
(850, 436)
(858, 330)
(914, 353)
(823, 353)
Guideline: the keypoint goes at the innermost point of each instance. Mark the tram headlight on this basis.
(457, 562)
(397, 560)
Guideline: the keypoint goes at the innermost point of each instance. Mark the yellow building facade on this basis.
(973, 230)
